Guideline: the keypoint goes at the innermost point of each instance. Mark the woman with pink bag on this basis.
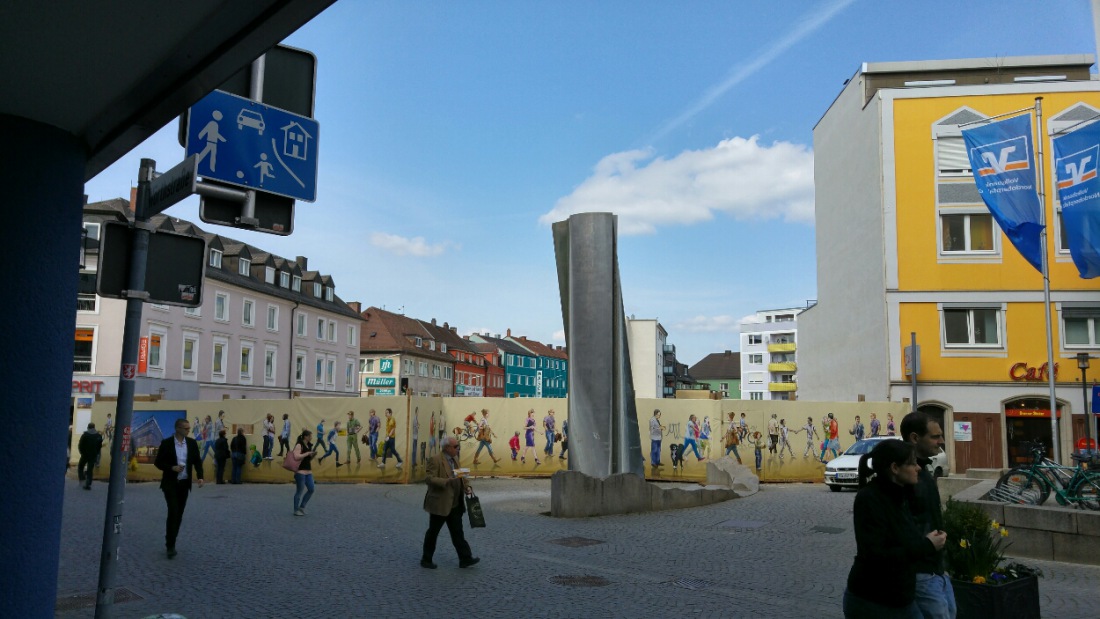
(303, 453)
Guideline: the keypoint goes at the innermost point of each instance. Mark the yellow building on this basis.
(905, 246)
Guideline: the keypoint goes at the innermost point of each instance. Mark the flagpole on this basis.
(1040, 185)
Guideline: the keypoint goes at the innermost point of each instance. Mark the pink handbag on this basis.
(291, 462)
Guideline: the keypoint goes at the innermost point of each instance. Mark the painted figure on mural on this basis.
(691, 438)
(284, 436)
(513, 444)
(208, 436)
(890, 429)
(875, 425)
(832, 440)
(332, 434)
(529, 438)
(548, 425)
(733, 438)
(704, 436)
(415, 434)
(758, 447)
(373, 422)
(269, 436)
(353, 428)
(485, 437)
(744, 427)
(773, 433)
(321, 435)
(784, 439)
(656, 431)
(564, 438)
(857, 429)
(811, 436)
(109, 429)
(391, 441)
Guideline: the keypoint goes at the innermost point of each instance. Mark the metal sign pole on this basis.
(124, 411)
(916, 364)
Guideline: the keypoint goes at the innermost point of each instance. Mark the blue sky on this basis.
(454, 133)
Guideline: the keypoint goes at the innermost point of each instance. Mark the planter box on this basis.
(1018, 599)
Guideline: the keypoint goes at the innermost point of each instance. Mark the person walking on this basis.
(89, 445)
(353, 429)
(485, 437)
(564, 439)
(221, 454)
(179, 462)
(391, 441)
(733, 438)
(303, 452)
(548, 425)
(889, 543)
(875, 425)
(269, 436)
(238, 450)
(691, 436)
(935, 595)
(784, 439)
(811, 435)
(529, 438)
(332, 434)
(704, 436)
(208, 437)
(832, 440)
(444, 504)
(284, 436)
(372, 434)
(773, 433)
(321, 434)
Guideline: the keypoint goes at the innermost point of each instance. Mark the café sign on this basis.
(1024, 372)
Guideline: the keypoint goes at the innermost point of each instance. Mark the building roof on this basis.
(384, 331)
(540, 349)
(507, 346)
(718, 365)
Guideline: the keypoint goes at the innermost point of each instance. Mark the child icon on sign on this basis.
(265, 168)
(212, 136)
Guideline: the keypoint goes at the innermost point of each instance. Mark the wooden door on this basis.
(984, 451)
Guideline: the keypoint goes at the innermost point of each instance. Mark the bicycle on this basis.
(1032, 485)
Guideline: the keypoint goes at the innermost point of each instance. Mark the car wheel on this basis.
(835, 488)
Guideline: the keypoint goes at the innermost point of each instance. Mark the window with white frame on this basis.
(431, 344)
(971, 327)
(84, 350)
(755, 338)
(299, 368)
(366, 366)
(158, 343)
(447, 372)
(93, 230)
(423, 368)
(272, 317)
(301, 319)
(244, 266)
(756, 358)
(317, 289)
(269, 275)
(349, 374)
(407, 367)
(321, 329)
(419, 342)
(193, 312)
(189, 366)
(296, 283)
(351, 336)
(1081, 327)
(219, 347)
(221, 307)
(248, 313)
(511, 359)
(247, 350)
(319, 372)
(284, 279)
(328, 293)
(216, 258)
(86, 298)
(332, 330)
(271, 358)
(756, 395)
(754, 378)
(160, 307)
(330, 372)
(966, 232)
(442, 348)
(435, 370)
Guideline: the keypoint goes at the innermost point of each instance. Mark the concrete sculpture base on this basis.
(576, 495)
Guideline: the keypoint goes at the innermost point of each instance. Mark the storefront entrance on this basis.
(1028, 420)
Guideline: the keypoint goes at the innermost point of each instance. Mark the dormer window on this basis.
(244, 266)
(442, 348)
(419, 342)
(296, 283)
(216, 258)
(284, 279)
(328, 293)
(431, 344)
(317, 289)
(269, 275)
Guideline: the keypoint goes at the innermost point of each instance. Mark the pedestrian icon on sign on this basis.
(212, 136)
(265, 168)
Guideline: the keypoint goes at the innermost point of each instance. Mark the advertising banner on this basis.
(1075, 158)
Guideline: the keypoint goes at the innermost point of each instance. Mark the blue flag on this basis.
(1075, 159)
(1004, 169)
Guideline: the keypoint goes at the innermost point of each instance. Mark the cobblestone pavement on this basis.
(784, 552)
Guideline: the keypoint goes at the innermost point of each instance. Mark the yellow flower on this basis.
(980, 580)
(1004, 532)
(963, 543)
(996, 525)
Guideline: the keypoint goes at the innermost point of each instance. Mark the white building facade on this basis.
(769, 343)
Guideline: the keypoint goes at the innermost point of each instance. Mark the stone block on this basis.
(1076, 548)
(976, 492)
(1044, 518)
(727, 472)
(993, 474)
(1031, 544)
(576, 495)
(994, 510)
(1088, 523)
(950, 486)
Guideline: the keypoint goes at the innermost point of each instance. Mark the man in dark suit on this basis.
(445, 505)
(90, 444)
(178, 459)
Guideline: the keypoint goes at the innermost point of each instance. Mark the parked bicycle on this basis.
(1032, 485)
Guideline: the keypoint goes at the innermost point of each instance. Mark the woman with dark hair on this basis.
(303, 452)
(882, 581)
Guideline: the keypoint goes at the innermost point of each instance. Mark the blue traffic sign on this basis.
(249, 144)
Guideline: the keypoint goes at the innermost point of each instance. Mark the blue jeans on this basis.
(206, 447)
(331, 449)
(238, 464)
(935, 596)
(549, 443)
(391, 448)
(690, 442)
(856, 607)
(373, 438)
(480, 444)
(733, 448)
(654, 451)
(269, 443)
(304, 483)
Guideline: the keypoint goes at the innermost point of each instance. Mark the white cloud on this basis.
(558, 337)
(738, 177)
(402, 246)
(708, 324)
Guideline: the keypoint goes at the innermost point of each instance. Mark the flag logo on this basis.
(1080, 167)
(999, 157)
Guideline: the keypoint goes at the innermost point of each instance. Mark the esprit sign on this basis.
(87, 386)
(1023, 372)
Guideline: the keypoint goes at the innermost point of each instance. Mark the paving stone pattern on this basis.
(784, 552)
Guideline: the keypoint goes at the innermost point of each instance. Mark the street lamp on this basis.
(1083, 363)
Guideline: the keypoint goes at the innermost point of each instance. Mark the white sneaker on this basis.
(398, 465)
(382, 466)
(299, 512)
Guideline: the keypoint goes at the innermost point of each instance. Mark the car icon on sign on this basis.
(252, 119)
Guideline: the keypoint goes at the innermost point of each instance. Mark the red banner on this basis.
(143, 355)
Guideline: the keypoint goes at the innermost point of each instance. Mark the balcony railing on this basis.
(784, 347)
(783, 366)
(782, 386)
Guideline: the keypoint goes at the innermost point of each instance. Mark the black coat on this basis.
(221, 448)
(166, 459)
(239, 445)
(90, 443)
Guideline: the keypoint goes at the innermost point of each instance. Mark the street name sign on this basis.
(248, 144)
(172, 186)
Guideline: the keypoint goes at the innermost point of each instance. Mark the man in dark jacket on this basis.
(178, 459)
(239, 451)
(89, 446)
(221, 454)
(935, 596)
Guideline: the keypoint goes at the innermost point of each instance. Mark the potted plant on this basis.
(985, 586)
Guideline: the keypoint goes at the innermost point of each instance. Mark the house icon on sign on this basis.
(296, 141)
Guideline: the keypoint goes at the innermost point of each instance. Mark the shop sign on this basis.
(385, 366)
(374, 381)
(1030, 413)
(87, 386)
(964, 431)
(143, 355)
(1023, 372)
(384, 392)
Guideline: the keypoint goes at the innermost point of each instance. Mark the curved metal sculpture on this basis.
(603, 420)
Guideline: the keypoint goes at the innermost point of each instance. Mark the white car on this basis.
(843, 471)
